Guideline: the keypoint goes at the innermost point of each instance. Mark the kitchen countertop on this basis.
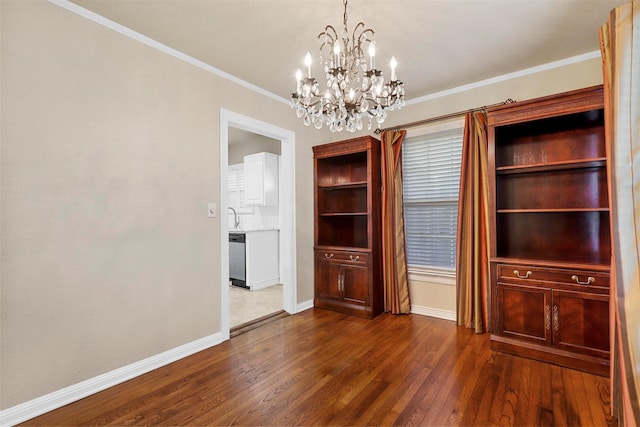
(241, 230)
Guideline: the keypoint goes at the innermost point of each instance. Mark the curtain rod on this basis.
(442, 117)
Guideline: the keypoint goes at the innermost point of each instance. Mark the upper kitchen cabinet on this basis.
(261, 179)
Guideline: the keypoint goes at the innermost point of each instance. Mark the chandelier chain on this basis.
(345, 18)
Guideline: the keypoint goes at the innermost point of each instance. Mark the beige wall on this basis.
(250, 146)
(110, 153)
(442, 297)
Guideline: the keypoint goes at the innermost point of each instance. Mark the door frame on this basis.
(287, 217)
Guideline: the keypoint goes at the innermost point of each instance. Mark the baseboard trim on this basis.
(306, 305)
(434, 312)
(266, 283)
(43, 404)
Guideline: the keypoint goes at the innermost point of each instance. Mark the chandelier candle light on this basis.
(355, 88)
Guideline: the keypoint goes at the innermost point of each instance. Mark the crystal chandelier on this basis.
(355, 88)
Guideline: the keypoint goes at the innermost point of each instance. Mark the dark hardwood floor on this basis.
(324, 368)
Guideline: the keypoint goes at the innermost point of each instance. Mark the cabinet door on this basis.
(261, 179)
(524, 313)
(581, 322)
(254, 180)
(327, 279)
(355, 284)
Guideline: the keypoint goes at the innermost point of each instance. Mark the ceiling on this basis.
(439, 44)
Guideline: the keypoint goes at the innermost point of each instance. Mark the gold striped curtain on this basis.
(472, 252)
(394, 258)
(620, 47)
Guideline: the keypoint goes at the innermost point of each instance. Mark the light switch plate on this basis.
(212, 210)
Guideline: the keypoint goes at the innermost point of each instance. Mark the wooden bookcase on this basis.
(550, 239)
(348, 275)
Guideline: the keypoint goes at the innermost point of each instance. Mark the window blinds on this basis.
(236, 186)
(431, 180)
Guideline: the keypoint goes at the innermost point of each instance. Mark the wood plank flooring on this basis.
(324, 368)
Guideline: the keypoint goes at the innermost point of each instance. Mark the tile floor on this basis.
(249, 305)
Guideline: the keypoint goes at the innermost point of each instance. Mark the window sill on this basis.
(432, 275)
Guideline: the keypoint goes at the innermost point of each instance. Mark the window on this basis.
(431, 180)
(235, 184)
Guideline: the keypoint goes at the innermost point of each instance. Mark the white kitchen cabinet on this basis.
(263, 264)
(261, 179)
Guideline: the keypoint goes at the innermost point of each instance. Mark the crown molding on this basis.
(505, 77)
(128, 32)
(101, 20)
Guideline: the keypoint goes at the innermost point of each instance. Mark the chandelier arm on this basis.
(306, 106)
(367, 39)
(368, 88)
(368, 98)
(362, 34)
(368, 31)
(330, 96)
(355, 30)
(328, 36)
(327, 44)
(326, 32)
(353, 90)
(356, 40)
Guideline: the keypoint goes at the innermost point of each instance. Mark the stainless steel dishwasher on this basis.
(237, 259)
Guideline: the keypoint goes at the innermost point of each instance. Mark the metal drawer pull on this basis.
(352, 258)
(526, 276)
(328, 256)
(556, 319)
(589, 281)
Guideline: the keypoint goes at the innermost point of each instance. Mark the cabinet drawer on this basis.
(347, 257)
(523, 273)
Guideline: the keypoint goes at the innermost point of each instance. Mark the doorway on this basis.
(230, 122)
(250, 226)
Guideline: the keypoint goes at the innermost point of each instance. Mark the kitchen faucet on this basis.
(236, 219)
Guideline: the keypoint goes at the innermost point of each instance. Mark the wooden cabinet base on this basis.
(366, 312)
(550, 238)
(347, 261)
(585, 363)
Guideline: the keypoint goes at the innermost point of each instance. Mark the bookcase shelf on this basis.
(343, 186)
(508, 211)
(572, 236)
(550, 238)
(348, 274)
(342, 199)
(334, 214)
(564, 165)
